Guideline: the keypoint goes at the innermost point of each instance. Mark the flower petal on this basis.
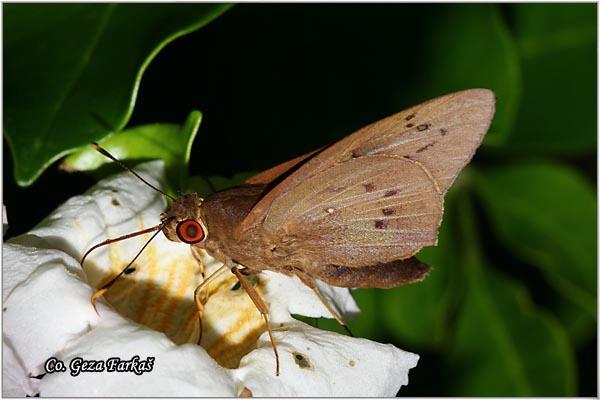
(288, 295)
(185, 370)
(166, 273)
(44, 312)
(15, 381)
(20, 260)
(325, 364)
(118, 205)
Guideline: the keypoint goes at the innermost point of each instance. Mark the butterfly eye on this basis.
(190, 231)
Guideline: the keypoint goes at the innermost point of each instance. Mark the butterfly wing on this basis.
(267, 176)
(370, 208)
(441, 134)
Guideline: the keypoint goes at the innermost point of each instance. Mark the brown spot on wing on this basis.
(388, 211)
(423, 127)
(411, 116)
(390, 193)
(379, 224)
(443, 132)
(425, 147)
(369, 187)
(410, 125)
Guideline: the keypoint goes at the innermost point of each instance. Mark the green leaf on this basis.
(580, 325)
(504, 346)
(72, 71)
(469, 46)
(558, 52)
(169, 142)
(365, 325)
(546, 213)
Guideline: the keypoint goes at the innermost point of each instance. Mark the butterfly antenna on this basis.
(129, 235)
(105, 153)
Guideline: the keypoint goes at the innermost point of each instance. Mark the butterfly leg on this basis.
(198, 301)
(310, 282)
(262, 308)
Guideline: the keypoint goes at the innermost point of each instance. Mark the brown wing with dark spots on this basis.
(445, 135)
(441, 134)
(370, 209)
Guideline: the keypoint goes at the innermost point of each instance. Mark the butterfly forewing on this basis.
(363, 209)
(441, 134)
(273, 173)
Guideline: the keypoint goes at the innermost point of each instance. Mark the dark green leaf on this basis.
(577, 320)
(506, 347)
(503, 345)
(469, 46)
(557, 46)
(546, 214)
(168, 142)
(72, 71)
(365, 325)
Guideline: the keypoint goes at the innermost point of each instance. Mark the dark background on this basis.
(275, 81)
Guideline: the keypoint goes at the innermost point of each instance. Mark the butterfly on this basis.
(351, 214)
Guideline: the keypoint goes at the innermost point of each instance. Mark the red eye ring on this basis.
(190, 231)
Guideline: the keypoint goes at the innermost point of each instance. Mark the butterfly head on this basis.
(183, 222)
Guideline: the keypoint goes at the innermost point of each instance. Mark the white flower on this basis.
(150, 313)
